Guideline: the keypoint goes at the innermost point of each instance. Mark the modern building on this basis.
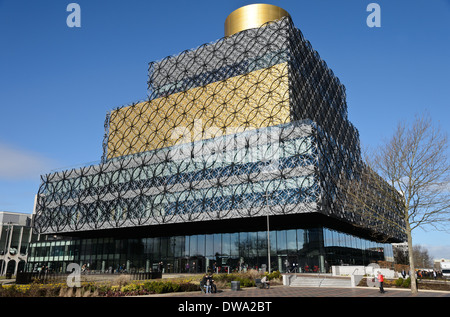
(233, 162)
(16, 235)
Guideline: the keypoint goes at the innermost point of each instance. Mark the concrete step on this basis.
(321, 281)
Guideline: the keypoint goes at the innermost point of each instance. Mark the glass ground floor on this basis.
(299, 250)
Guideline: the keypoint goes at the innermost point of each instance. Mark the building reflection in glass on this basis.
(294, 250)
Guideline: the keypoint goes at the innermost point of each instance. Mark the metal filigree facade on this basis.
(253, 124)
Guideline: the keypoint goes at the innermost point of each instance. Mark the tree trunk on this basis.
(412, 271)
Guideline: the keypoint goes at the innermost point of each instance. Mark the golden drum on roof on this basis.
(252, 16)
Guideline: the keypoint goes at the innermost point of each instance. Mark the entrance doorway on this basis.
(192, 265)
(197, 264)
(292, 264)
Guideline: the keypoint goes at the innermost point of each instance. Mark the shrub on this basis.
(132, 287)
(160, 287)
(123, 287)
(274, 275)
(8, 291)
(31, 290)
(245, 279)
(399, 282)
(407, 282)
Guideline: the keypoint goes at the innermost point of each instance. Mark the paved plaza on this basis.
(288, 300)
(287, 291)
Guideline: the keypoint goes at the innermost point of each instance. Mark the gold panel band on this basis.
(254, 100)
(252, 16)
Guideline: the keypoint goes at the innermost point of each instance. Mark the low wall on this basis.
(288, 278)
(355, 279)
(350, 270)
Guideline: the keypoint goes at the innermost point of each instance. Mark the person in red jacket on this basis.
(381, 280)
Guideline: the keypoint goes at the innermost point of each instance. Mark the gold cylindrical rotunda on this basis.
(252, 16)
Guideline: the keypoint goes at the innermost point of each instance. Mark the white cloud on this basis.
(438, 251)
(19, 164)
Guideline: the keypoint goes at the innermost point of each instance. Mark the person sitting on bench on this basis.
(265, 283)
(205, 284)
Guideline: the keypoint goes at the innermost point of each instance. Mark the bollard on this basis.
(235, 285)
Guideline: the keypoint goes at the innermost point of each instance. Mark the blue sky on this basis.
(57, 83)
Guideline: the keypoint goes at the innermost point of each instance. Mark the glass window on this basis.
(243, 244)
(209, 245)
(99, 247)
(234, 244)
(171, 247)
(262, 243)
(156, 249)
(338, 239)
(76, 248)
(88, 247)
(186, 246)
(164, 246)
(217, 244)
(301, 239)
(179, 246)
(315, 237)
(25, 240)
(94, 247)
(3, 234)
(350, 241)
(291, 241)
(281, 242)
(32, 251)
(193, 246)
(226, 244)
(357, 243)
(201, 245)
(121, 250)
(327, 241)
(148, 247)
(16, 234)
(252, 244)
(273, 243)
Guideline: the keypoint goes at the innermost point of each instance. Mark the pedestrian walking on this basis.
(380, 278)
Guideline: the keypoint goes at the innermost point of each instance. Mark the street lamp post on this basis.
(270, 170)
(268, 240)
(268, 231)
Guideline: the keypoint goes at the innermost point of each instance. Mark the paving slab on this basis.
(287, 291)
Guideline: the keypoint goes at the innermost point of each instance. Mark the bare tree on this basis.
(401, 186)
(422, 257)
(414, 162)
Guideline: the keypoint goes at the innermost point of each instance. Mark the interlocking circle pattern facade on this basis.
(252, 124)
